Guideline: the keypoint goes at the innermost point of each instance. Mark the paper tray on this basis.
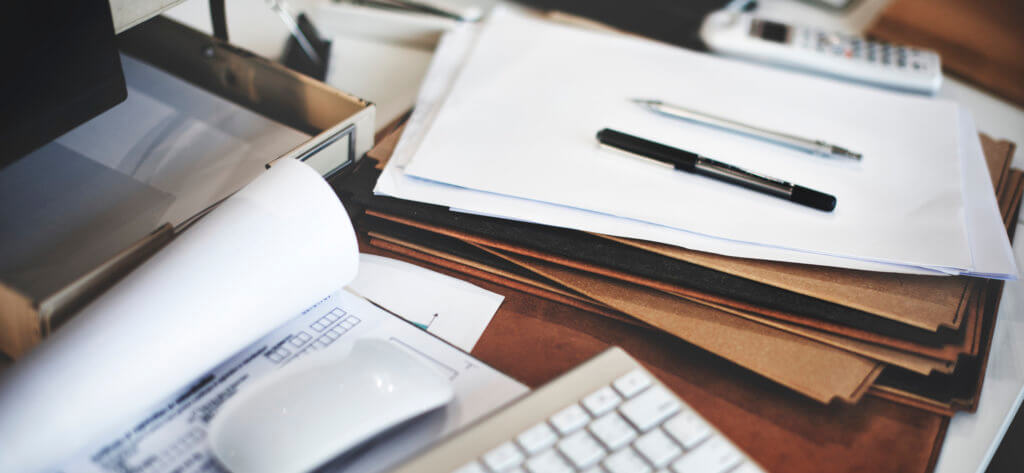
(341, 126)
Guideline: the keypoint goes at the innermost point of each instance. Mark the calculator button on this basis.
(537, 438)
(650, 408)
(570, 419)
(504, 458)
(632, 383)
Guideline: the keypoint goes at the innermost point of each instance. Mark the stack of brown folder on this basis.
(826, 333)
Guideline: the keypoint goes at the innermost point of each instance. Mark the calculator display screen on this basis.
(772, 31)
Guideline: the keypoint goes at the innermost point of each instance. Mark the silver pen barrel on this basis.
(742, 177)
(811, 146)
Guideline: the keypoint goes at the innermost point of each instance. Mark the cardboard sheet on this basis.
(416, 243)
(814, 369)
(890, 356)
(438, 250)
(935, 350)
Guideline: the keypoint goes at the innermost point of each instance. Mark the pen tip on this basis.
(839, 151)
(645, 101)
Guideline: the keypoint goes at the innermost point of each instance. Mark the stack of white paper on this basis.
(513, 136)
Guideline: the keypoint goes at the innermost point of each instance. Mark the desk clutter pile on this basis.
(725, 332)
(829, 334)
(780, 354)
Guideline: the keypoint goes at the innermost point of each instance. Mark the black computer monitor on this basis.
(60, 68)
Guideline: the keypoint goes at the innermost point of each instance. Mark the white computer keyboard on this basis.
(607, 416)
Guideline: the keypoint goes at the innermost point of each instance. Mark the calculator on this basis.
(828, 53)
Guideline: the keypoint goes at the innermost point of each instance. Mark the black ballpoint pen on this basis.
(694, 163)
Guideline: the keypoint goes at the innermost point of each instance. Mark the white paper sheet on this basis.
(990, 245)
(452, 309)
(172, 435)
(397, 69)
(280, 244)
(542, 91)
(448, 61)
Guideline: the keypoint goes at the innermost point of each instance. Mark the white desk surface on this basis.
(972, 438)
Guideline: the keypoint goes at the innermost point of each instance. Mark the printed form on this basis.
(172, 437)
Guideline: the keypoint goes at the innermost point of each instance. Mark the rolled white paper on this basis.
(274, 248)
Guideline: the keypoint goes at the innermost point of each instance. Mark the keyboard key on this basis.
(505, 457)
(548, 462)
(602, 401)
(626, 461)
(472, 467)
(537, 438)
(748, 467)
(714, 456)
(581, 449)
(613, 431)
(688, 429)
(657, 448)
(570, 419)
(650, 408)
(632, 383)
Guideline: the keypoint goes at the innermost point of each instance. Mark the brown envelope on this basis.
(890, 356)
(905, 360)
(947, 353)
(814, 369)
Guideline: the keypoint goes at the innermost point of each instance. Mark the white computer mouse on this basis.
(304, 415)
